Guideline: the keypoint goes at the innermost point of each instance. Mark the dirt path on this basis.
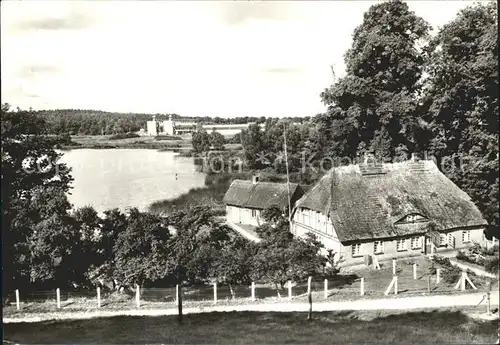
(471, 299)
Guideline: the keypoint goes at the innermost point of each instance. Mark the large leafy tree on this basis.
(281, 257)
(233, 262)
(142, 250)
(199, 237)
(201, 141)
(254, 146)
(34, 186)
(461, 101)
(373, 107)
(217, 140)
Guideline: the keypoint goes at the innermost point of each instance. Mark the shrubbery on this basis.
(488, 258)
(167, 137)
(124, 136)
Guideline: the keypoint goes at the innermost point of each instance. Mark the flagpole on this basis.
(287, 178)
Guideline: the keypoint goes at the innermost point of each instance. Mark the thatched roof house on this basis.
(259, 195)
(368, 202)
(246, 199)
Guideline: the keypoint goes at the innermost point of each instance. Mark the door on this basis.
(427, 247)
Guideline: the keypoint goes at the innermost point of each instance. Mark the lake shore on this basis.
(181, 144)
(140, 142)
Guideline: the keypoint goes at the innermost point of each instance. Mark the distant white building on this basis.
(152, 126)
(179, 127)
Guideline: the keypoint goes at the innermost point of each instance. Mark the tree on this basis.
(34, 186)
(199, 237)
(86, 265)
(142, 251)
(281, 257)
(461, 101)
(233, 263)
(201, 141)
(252, 140)
(217, 140)
(273, 215)
(113, 224)
(374, 106)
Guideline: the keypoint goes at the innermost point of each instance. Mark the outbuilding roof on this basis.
(364, 204)
(260, 195)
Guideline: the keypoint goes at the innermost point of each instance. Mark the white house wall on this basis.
(308, 221)
(244, 215)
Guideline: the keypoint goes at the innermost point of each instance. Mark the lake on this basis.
(122, 178)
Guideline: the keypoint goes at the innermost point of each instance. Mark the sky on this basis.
(193, 58)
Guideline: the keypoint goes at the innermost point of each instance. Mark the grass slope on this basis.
(264, 328)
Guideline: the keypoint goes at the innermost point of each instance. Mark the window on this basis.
(378, 247)
(254, 213)
(401, 245)
(465, 236)
(306, 216)
(451, 240)
(411, 218)
(442, 239)
(356, 249)
(416, 242)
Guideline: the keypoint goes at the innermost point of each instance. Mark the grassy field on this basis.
(145, 142)
(343, 287)
(424, 327)
(178, 143)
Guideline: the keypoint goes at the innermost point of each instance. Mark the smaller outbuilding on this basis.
(245, 200)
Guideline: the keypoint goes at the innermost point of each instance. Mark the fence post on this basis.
(362, 287)
(98, 296)
(414, 271)
(309, 297)
(17, 300)
(463, 281)
(58, 298)
(395, 285)
(253, 291)
(438, 275)
(393, 267)
(289, 290)
(177, 293)
(326, 288)
(179, 303)
(215, 293)
(488, 305)
(391, 284)
(137, 296)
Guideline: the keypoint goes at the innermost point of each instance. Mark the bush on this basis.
(461, 255)
(449, 273)
(491, 265)
(167, 137)
(124, 136)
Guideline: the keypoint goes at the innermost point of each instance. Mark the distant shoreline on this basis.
(140, 142)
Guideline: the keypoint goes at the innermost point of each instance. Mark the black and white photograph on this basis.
(250, 172)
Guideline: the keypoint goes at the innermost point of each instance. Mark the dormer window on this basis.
(412, 218)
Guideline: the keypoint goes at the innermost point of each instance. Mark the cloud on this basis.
(238, 12)
(37, 69)
(26, 17)
(283, 70)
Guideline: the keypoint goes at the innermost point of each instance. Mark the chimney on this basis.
(369, 159)
(370, 166)
(415, 157)
(255, 179)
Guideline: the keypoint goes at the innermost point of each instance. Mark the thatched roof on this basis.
(243, 193)
(365, 205)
